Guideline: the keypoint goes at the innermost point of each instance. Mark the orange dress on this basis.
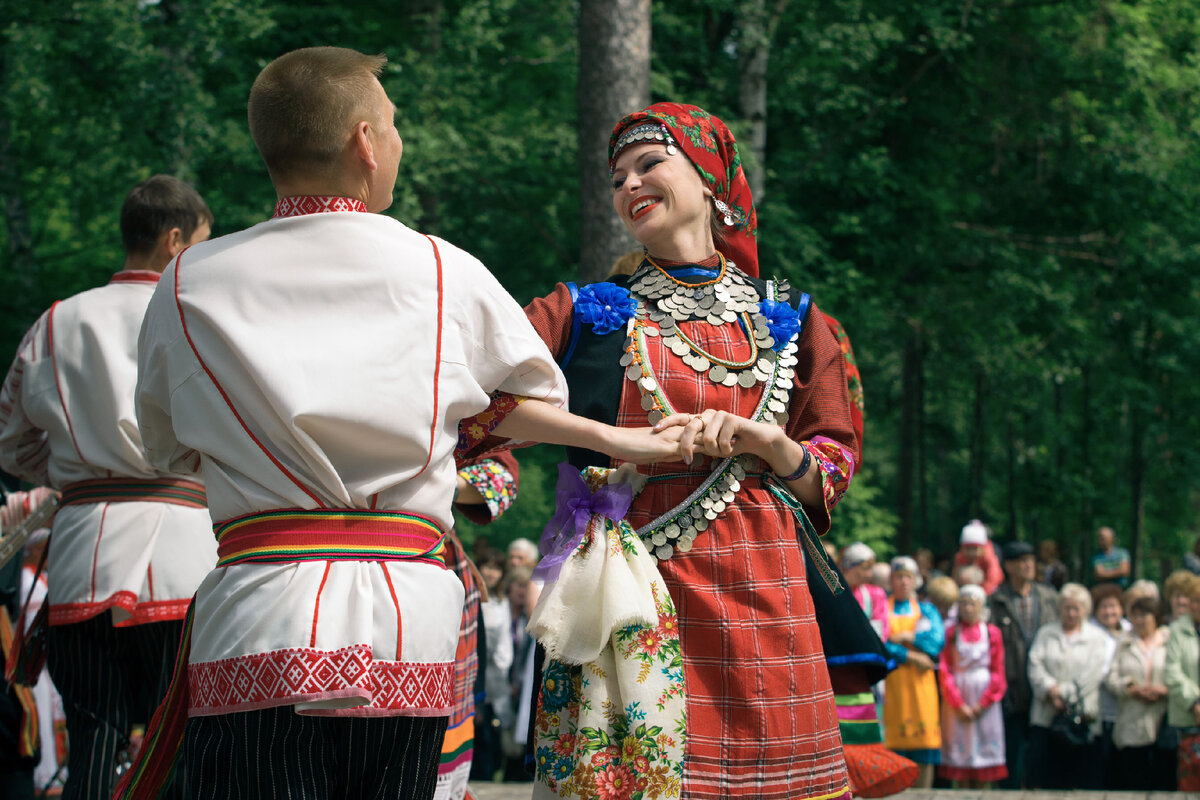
(911, 719)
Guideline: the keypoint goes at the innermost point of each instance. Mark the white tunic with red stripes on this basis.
(323, 361)
(67, 416)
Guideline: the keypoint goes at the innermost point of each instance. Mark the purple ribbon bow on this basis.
(574, 505)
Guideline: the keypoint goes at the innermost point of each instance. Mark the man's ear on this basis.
(173, 241)
(363, 148)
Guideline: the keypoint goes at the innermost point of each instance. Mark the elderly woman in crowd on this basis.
(1175, 599)
(858, 562)
(1182, 676)
(1136, 679)
(973, 682)
(911, 723)
(1108, 604)
(1066, 667)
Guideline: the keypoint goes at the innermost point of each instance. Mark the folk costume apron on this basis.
(975, 749)
(910, 705)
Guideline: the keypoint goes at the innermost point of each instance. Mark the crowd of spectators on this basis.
(1011, 675)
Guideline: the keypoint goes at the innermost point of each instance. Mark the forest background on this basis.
(998, 198)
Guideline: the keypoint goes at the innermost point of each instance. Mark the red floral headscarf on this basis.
(713, 151)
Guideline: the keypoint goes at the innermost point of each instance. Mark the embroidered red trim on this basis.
(135, 276)
(317, 204)
(437, 362)
(139, 613)
(296, 675)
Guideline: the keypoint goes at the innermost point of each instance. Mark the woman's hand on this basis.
(903, 637)
(720, 434)
(919, 660)
(644, 445)
(965, 713)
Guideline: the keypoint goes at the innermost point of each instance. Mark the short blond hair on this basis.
(942, 591)
(1175, 583)
(303, 104)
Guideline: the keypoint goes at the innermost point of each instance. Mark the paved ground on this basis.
(521, 791)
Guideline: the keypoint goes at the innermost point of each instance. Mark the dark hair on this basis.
(493, 558)
(1104, 591)
(155, 206)
(1146, 605)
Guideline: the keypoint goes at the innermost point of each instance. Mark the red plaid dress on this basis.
(761, 715)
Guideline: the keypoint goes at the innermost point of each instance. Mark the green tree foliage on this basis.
(998, 199)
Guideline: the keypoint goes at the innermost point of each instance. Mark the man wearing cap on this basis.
(858, 561)
(1019, 607)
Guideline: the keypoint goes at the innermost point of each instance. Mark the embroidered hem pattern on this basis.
(299, 675)
(139, 613)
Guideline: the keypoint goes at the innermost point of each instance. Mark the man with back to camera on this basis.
(319, 365)
(131, 542)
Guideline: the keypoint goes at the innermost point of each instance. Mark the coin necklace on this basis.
(677, 529)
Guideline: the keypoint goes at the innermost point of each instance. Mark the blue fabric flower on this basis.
(783, 321)
(605, 306)
(556, 687)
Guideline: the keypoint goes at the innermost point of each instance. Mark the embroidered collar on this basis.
(135, 276)
(316, 204)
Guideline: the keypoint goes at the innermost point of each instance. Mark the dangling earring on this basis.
(729, 216)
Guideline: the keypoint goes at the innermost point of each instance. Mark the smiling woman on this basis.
(758, 383)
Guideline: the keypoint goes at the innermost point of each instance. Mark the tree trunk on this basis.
(424, 19)
(754, 51)
(910, 410)
(614, 79)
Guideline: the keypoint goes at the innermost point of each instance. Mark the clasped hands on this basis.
(717, 434)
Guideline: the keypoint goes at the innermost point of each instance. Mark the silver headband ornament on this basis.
(651, 132)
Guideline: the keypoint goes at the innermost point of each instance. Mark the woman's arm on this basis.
(998, 684)
(1181, 689)
(930, 638)
(1040, 679)
(950, 690)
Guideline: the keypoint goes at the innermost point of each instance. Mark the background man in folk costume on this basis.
(317, 366)
(130, 538)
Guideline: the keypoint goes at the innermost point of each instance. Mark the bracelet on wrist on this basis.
(802, 470)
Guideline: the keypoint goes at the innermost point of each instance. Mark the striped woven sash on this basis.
(136, 490)
(283, 536)
(292, 535)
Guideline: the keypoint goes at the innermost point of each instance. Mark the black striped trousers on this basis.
(277, 753)
(110, 679)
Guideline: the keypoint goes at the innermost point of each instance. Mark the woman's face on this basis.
(1180, 605)
(659, 195)
(969, 609)
(1144, 624)
(492, 574)
(903, 584)
(859, 574)
(1072, 614)
(1108, 613)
